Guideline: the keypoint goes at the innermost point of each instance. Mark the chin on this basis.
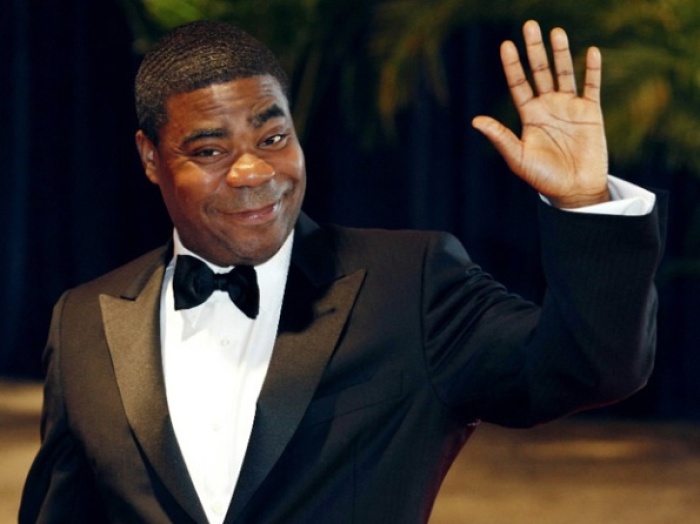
(255, 252)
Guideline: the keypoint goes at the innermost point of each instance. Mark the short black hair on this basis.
(197, 55)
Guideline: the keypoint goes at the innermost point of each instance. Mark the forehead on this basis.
(255, 99)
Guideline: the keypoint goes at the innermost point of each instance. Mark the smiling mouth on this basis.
(258, 215)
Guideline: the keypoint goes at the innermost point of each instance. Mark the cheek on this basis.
(186, 201)
(293, 165)
(193, 188)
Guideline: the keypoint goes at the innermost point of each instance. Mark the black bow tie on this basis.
(194, 282)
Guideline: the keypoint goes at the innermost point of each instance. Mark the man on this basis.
(342, 390)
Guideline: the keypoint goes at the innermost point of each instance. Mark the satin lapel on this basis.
(132, 330)
(313, 317)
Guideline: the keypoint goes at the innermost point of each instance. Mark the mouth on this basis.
(255, 216)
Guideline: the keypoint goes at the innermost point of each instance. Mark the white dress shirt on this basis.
(214, 360)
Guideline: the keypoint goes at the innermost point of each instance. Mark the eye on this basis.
(275, 141)
(207, 152)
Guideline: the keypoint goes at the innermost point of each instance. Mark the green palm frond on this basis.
(652, 79)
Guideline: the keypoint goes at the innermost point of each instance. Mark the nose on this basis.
(249, 171)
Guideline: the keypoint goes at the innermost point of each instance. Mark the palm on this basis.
(562, 152)
(562, 142)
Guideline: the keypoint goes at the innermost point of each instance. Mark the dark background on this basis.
(75, 202)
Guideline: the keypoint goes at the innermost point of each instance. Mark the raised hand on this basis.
(562, 152)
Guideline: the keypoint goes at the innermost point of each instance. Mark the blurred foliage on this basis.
(652, 79)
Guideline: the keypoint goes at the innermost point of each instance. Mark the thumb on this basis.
(503, 139)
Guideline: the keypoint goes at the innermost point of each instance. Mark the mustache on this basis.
(251, 198)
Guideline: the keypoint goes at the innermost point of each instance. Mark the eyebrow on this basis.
(257, 120)
(274, 111)
(200, 134)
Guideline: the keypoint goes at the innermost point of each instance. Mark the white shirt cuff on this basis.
(626, 199)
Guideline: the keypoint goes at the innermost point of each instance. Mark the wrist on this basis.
(581, 200)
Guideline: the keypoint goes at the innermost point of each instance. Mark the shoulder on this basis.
(362, 247)
(127, 279)
(385, 240)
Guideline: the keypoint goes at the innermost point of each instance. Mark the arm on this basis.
(494, 356)
(60, 486)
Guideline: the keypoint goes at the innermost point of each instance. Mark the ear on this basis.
(149, 156)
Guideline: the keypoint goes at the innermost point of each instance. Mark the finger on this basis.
(563, 64)
(594, 67)
(520, 89)
(503, 139)
(537, 56)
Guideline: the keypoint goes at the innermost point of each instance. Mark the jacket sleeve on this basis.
(496, 357)
(60, 486)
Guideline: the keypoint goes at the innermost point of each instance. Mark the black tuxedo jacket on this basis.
(391, 347)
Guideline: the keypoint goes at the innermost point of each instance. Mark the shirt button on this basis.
(225, 342)
(218, 507)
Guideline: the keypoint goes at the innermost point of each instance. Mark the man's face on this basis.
(230, 169)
